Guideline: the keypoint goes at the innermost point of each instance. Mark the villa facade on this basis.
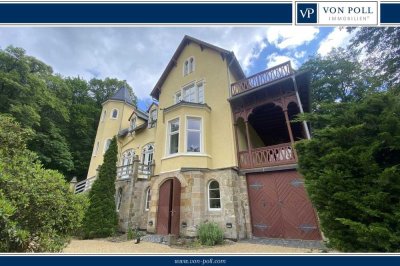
(214, 146)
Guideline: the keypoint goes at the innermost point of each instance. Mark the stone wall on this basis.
(194, 202)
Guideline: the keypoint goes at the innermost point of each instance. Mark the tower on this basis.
(114, 117)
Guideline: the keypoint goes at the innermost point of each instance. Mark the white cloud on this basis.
(288, 37)
(276, 59)
(299, 54)
(339, 37)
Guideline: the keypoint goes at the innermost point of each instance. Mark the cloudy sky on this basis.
(140, 54)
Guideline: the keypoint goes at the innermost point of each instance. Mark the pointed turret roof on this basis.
(122, 95)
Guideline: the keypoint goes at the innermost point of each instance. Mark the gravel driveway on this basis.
(107, 246)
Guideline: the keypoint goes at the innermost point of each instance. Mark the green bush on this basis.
(101, 217)
(38, 212)
(352, 173)
(210, 234)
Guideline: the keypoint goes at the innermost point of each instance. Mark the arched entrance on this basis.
(168, 213)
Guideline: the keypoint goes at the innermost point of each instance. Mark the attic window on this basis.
(133, 122)
(152, 118)
(188, 66)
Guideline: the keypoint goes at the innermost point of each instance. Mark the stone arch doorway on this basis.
(169, 202)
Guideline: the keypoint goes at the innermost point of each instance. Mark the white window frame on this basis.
(126, 160)
(185, 68)
(112, 113)
(190, 63)
(209, 198)
(177, 98)
(194, 130)
(147, 199)
(119, 199)
(105, 144)
(168, 142)
(131, 124)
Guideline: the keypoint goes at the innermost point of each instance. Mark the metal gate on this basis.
(280, 208)
(168, 213)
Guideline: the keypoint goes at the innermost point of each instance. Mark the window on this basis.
(214, 197)
(126, 164)
(194, 93)
(107, 145)
(147, 155)
(133, 123)
(114, 114)
(147, 200)
(193, 132)
(96, 149)
(178, 97)
(188, 66)
(119, 199)
(173, 136)
(104, 115)
(153, 118)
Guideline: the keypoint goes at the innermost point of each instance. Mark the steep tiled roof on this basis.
(122, 95)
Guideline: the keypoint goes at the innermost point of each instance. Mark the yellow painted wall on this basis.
(218, 131)
(107, 129)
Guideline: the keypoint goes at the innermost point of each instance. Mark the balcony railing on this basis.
(262, 78)
(84, 185)
(280, 154)
(126, 171)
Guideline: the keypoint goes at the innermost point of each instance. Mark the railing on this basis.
(145, 170)
(84, 185)
(268, 156)
(124, 171)
(262, 78)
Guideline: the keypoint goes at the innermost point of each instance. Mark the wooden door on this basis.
(280, 208)
(168, 214)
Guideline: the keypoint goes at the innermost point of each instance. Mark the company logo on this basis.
(337, 13)
(307, 13)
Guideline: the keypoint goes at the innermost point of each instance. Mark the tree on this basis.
(38, 212)
(352, 172)
(101, 217)
(338, 77)
(380, 48)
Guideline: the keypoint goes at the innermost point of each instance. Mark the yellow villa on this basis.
(214, 146)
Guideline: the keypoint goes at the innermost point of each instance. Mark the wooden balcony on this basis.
(263, 78)
(275, 155)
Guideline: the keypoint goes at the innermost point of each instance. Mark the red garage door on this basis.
(280, 207)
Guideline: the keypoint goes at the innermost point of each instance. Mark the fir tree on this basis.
(101, 217)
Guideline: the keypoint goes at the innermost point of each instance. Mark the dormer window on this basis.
(114, 113)
(188, 66)
(153, 118)
(133, 122)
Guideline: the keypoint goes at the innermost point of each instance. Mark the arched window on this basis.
(119, 199)
(186, 68)
(114, 114)
(191, 65)
(147, 154)
(126, 163)
(147, 200)
(106, 145)
(104, 115)
(214, 197)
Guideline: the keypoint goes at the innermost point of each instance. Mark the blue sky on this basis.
(140, 54)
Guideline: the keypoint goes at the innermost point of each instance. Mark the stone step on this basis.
(154, 239)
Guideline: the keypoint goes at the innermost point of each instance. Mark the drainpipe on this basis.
(301, 108)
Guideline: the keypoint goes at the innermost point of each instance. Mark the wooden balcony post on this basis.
(285, 111)
(305, 126)
(248, 141)
(236, 140)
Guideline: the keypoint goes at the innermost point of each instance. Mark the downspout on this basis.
(301, 108)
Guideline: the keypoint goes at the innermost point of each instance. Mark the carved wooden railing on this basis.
(262, 78)
(84, 185)
(268, 156)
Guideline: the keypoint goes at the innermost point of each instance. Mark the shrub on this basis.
(210, 234)
(38, 212)
(352, 173)
(101, 217)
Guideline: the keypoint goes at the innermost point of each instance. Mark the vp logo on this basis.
(306, 13)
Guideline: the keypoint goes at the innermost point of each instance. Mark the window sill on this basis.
(186, 154)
